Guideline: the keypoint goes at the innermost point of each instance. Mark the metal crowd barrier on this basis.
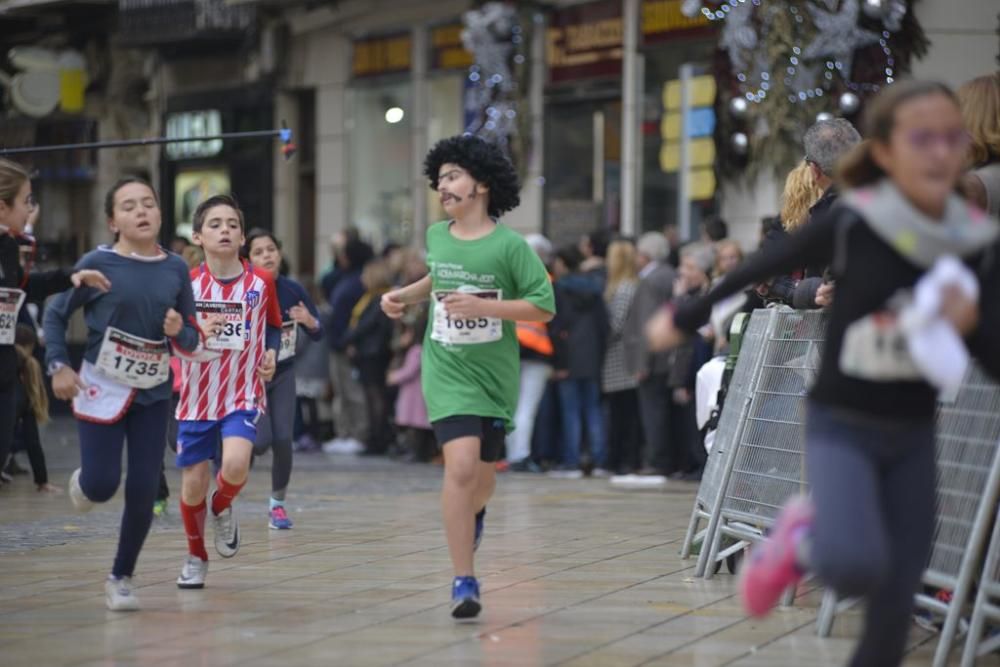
(715, 474)
(764, 462)
(986, 606)
(760, 463)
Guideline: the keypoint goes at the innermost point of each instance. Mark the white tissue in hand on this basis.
(934, 345)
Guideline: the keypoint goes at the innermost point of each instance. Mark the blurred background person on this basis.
(687, 454)
(620, 387)
(536, 351)
(980, 99)
(367, 343)
(579, 336)
(655, 288)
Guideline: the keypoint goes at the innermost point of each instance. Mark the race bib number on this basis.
(233, 334)
(104, 401)
(10, 304)
(875, 349)
(289, 337)
(133, 361)
(465, 332)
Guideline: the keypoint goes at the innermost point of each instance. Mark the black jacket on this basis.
(370, 338)
(579, 330)
(38, 286)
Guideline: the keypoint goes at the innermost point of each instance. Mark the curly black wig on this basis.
(485, 162)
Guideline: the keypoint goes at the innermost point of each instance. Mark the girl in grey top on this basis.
(122, 390)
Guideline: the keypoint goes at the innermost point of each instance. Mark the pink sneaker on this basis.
(771, 567)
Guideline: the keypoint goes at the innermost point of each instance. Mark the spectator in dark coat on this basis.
(348, 397)
(368, 345)
(579, 336)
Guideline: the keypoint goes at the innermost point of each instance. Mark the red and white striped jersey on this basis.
(210, 390)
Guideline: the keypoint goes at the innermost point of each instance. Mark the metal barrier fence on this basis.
(764, 463)
(760, 463)
(985, 608)
(715, 474)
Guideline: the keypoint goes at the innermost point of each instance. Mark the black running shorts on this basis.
(489, 430)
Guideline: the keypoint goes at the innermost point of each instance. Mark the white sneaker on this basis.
(119, 596)
(639, 481)
(600, 473)
(343, 446)
(193, 573)
(566, 474)
(227, 531)
(80, 501)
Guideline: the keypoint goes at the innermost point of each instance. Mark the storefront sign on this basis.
(663, 19)
(381, 55)
(585, 41)
(192, 124)
(447, 51)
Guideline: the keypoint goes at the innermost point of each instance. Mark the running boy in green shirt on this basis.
(483, 277)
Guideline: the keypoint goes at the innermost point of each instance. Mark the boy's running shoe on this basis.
(465, 598)
(227, 531)
(193, 573)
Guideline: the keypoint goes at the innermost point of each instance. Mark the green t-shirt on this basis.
(472, 367)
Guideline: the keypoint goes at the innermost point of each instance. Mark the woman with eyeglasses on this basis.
(868, 527)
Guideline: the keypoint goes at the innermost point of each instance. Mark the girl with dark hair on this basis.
(122, 391)
(17, 285)
(867, 529)
(483, 278)
(276, 425)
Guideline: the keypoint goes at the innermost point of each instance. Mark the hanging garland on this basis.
(782, 64)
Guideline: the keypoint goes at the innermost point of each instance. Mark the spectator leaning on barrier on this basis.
(693, 281)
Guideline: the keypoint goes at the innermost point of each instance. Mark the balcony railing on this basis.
(152, 22)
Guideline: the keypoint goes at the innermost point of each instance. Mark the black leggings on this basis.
(8, 415)
(26, 433)
(275, 430)
(143, 427)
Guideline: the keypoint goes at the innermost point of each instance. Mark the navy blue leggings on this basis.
(144, 427)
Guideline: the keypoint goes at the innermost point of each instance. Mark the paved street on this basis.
(573, 573)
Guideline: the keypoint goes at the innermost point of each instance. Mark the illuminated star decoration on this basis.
(838, 35)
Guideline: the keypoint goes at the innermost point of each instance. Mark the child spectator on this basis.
(32, 407)
(411, 409)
